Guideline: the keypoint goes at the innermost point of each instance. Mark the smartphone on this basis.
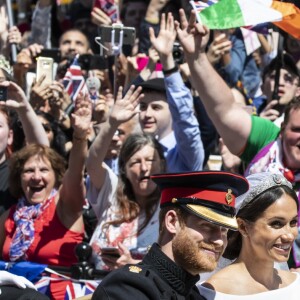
(110, 7)
(92, 62)
(111, 251)
(105, 33)
(53, 53)
(3, 93)
(143, 61)
(44, 66)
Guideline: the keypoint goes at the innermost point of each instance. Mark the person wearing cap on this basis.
(267, 217)
(288, 88)
(197, 208)
(257, 141)
(167, 110)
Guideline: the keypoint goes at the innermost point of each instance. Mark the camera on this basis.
(3, 93)
(177, 53)
(90, 62)
(53, 53)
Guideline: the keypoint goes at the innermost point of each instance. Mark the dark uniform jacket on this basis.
(156, 277)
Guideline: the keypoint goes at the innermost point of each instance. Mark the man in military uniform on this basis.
(197, 208)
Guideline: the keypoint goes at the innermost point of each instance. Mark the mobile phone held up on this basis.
(105, 33)
(92, 62)
(3, 93)
(44, 67)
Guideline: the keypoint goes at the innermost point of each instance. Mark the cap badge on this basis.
(135, 269)
(174, 200)
(277, 179)
(228, 196)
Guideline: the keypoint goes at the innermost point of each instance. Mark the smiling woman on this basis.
(126, 206)
(46, 223)
(267, 220)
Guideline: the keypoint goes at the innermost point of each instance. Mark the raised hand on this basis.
(153, 57)
(3, 19)
(82, 116)
(270, 112)
(164, 42)
(151, 64)
(14, 35)
(153, 10)
(57, 94)
(230, 161)
(40, 93)
(193, 37)
(124, 109)
(99, 17)
(34, 49)
(16, 97)
(100, 109)
(221, 45)
(25, 60)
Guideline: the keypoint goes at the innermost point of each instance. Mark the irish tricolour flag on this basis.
(237, 13)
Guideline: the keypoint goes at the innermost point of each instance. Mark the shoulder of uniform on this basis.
(137, 269)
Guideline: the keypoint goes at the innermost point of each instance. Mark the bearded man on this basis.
(197, 209)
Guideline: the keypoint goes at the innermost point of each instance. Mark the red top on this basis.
(53, 243)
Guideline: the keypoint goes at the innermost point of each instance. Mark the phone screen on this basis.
(110, 251)
(44, 67)
(105, 33)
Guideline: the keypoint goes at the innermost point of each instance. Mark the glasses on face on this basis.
(47, 127)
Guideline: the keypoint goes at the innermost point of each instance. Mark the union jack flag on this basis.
(74, 82)
(43, 277)
(200, 5)
(79, 289)
(73, 288)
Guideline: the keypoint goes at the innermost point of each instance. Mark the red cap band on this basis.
(222, 197)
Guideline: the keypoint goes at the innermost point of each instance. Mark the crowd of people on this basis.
(114, 149)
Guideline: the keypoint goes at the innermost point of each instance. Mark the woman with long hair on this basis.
(126, 206)
(267, 221)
